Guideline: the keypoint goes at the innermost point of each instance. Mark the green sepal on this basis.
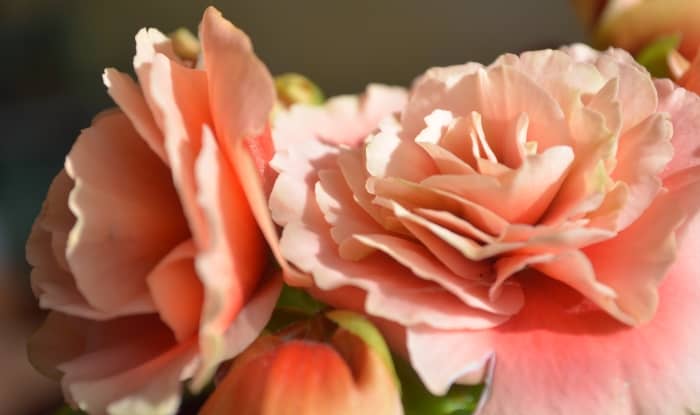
(459, 400)
(365, 330)
(293, 305)
(654, 56)
(292, 298)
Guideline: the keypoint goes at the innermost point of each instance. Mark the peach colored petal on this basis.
(59, 339)
(384, 148)
(241, 89)
(177, 292)
(249, 323)
(235, 74)
(123, 226)
(431, 87)
(341, 212)
(128, 96)
(502, 92)
(352, 165)
(643, 152)
(684, 109)
(521, 196)
(152, 387)
(231, 262)
(51, 280)
(574, 269)
(562, 76)
(450, 134)
(342, 120)
(251, 320)
(292, 189)
(636, 261)
(472, 292)
(605, 103)
(583, 189)
(93, 358)
(249, 177)
(56, 289)
(178, 98)
(637, 94)
(684, 190)
(390, 294)
(452, 258)
(649, 369)
(433, 198)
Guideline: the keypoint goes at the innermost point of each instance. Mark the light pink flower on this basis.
(147, 251)
(529, 224)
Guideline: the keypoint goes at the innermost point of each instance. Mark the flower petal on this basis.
(232, 261)
(177, 291)
(123, 226)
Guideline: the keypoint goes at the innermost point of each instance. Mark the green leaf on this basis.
(67, 410)
(297, 299)
(459, 400)
(293, 305)
(364, 329)
(653, 57)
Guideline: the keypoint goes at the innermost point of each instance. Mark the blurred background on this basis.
(54, 51)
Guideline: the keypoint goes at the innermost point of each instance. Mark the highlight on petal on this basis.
(232, 262)
(241, 89)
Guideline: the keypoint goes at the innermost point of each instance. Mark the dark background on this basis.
(52, 53)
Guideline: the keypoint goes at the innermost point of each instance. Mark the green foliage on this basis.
(297, 299)
(459, 400)
(67, 410)
(654, 56)
(293, 305)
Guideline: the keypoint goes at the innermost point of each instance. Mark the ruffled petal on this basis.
(123, 226)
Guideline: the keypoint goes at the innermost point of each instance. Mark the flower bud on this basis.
(293, 88)
(185, 44)
(346, 375)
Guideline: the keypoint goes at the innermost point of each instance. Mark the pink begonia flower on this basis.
(529, 224)
(634, 24)
(147, 251)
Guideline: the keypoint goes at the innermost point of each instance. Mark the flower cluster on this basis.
(530, 225)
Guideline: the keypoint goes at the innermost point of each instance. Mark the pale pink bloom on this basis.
(529, 224)
(147, 251)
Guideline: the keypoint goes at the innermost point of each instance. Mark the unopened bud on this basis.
(185, 44)
(293, 88)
